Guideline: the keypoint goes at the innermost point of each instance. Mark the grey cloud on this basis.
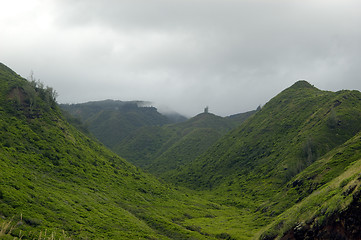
(231, 55)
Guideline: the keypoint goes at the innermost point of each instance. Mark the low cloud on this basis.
(230, 55)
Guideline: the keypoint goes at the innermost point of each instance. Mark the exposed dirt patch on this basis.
(340, 226)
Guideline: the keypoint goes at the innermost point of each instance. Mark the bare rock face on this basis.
(345, 225)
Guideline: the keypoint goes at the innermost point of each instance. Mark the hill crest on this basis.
(301, 84)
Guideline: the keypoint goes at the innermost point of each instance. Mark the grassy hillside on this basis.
(255, 165)
(110, 121)
(273, 167)
(147, 138)
(290, 171)
(161, 149)
(291, 131)
(56, 181)
(328, 198)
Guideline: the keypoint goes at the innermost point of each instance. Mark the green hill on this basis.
(165, 148)
(294, 131)
(57, 183)
(291, 131)
(292, 170)
(146, 138)
(110, 121)
(326, 198)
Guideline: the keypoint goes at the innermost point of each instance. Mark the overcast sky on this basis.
(230, 55)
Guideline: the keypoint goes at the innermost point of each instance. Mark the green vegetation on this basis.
(293, 167)
(54, 178)
(290, 132)
(166, 148)
(147, 138)
(327, 188)
(258, 165)
(111, 121)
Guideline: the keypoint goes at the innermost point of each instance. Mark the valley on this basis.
(122, 170)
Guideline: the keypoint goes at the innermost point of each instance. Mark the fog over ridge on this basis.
(229, 55)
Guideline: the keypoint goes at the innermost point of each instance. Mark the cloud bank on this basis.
(228, 55)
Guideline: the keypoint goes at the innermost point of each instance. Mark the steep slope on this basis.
(296, 163)
(292, 131)
(54, 178)
(110, 121)
(161, 149)
(328, 198)
(292, 170)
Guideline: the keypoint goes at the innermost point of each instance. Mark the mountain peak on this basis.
(302, 84)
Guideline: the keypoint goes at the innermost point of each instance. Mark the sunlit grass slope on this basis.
(253, 166)
(54, 178)
(325, 195)
(292, 168)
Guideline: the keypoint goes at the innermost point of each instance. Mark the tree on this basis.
(31, 95)
(37, 88)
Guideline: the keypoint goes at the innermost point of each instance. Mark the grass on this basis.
(331, 197)
(262, 165)
(111, 121)
(8, 230)
(286, 136)
(163, 149)
(6, 227)
(60, 178)
(296, 161)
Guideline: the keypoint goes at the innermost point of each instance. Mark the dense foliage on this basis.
(147, 138)
(291, 169)
(165, 148)
(292, 131)
(54, 178)
(321, 192)
(111, 121)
